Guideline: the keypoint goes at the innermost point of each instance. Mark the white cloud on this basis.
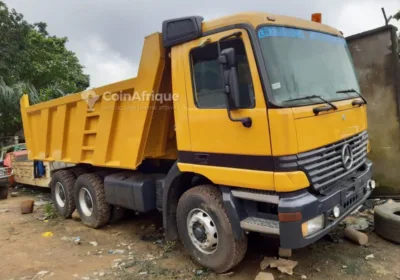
(107, 36)
(103, 63)
(359, 16)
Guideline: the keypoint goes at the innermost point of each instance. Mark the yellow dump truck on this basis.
(247, 123)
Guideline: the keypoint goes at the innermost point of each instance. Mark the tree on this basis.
(28, 53)
(396, 16)
(34, 62)
(13, 32)
(10, 116)
(51, 64)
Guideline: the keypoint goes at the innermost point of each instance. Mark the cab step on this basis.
(260, 225)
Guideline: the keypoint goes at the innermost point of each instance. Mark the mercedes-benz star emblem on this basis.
(347, 157)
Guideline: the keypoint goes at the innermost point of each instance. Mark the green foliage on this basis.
(51, 64)
(13, 32)
(32, 61)
(50, 211)
(28, 53)
(10, 117)
(397, 15)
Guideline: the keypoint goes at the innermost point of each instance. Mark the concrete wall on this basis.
(376, 60)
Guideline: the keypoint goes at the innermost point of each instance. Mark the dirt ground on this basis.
(134, 248)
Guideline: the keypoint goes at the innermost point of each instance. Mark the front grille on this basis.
(350, 201)
(23, 157)
(324, 166)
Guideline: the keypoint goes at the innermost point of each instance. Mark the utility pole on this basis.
(386, 18)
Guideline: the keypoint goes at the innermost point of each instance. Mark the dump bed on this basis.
(117, 125)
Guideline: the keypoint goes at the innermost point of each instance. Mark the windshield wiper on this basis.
(353, 91)
(311, 97)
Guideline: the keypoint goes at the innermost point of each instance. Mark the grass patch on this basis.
(50, 211)
(169, 246)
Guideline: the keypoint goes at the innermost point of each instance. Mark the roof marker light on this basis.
(316, 17)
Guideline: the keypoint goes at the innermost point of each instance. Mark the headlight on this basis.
(372, 184)
(313, 225)
(336, 211)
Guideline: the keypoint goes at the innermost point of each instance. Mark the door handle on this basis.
(201, 158)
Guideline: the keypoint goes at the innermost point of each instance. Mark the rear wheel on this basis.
(90, 200)
(205, 229)
(62, 185)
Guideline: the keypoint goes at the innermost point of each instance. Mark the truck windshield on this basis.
(302, 63)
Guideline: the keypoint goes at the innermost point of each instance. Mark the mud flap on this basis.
(234, 210)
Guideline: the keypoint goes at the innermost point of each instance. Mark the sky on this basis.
(107, 35)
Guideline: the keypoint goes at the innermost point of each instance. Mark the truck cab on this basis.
(267, 134)
(280, 133)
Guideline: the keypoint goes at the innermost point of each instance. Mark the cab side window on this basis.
(207, 76)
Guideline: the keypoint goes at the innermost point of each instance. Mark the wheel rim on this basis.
(60, 194)
(202, 231)
(86, 202)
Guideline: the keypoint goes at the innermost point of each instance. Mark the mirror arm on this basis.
(246, 122)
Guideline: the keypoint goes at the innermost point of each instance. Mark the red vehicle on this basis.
(6, 180)
(6, 173)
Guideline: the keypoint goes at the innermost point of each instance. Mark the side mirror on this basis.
(227, 59)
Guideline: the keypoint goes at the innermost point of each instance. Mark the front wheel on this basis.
(205, 229)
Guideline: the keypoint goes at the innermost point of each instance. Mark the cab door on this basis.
(224, 151)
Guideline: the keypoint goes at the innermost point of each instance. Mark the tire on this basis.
(90, 201)
(62, 192)
(387, 221)
(3, 193)
(207, 200)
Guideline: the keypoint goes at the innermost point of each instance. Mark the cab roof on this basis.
(180, 30)
(256, 19)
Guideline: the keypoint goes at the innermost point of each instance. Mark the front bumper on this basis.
(4, 182)
(348, 195)
(5, 179)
